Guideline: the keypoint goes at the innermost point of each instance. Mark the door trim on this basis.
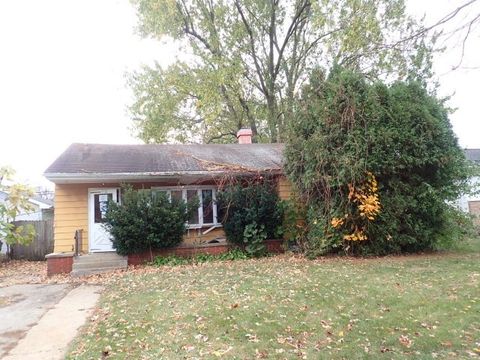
(91, 214)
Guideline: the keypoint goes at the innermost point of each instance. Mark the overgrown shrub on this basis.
(233, 254)
(254, 237)
(250, 214)
(377, 166)
(145, 220)
(294, 226)
(172, 260)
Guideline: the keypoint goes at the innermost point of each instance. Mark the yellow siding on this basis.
(284, 188)
(71, 213)
(195, 237)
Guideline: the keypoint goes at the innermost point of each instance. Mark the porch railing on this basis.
(78, 241)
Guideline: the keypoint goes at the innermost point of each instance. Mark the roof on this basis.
(473, 155)
(36, 200)
(43, 203)
(127, 162)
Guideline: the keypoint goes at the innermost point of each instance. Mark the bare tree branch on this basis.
(252, 46)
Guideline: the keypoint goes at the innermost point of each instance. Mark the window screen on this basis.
(192, 194)
(206, 212)
(176, 195)
(207, 206)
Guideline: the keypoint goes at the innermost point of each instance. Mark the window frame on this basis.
(198, 189)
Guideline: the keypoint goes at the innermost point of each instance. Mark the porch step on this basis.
(98, 263)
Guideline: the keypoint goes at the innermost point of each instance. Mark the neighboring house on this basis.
(3, 197)
(41, 209)
(471, 203)
(3, 248)
(87, 176)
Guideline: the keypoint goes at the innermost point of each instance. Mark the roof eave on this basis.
(77, 178)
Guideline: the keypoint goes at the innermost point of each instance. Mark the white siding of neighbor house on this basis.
(35, 214)
(3, 196)
(463, 201)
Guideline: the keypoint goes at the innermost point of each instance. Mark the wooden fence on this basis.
(40, 246)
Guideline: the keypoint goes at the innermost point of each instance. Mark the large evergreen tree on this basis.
(378, 166)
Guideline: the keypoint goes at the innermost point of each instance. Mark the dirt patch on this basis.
(7, 300)
(12, 338)
(13, 334)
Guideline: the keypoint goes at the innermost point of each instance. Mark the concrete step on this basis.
(102, 255)
(94, 271)
(96, 263)
(98, 257)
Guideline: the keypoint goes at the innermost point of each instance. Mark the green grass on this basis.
(423, 307)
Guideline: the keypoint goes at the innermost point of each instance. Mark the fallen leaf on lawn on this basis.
(252, 337)
(325, 324)
(220, 353)
(405, 341)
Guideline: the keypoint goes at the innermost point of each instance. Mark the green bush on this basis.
(377, 166)
(254, 237)
(172, 260)
(250, 214)
(233, 254)
(146, 220)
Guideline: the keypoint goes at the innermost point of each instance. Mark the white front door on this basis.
(98, 237)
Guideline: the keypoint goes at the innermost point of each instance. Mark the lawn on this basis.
(424, 307)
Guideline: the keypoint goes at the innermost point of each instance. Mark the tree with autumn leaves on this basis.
(244, 61)
(15, 203)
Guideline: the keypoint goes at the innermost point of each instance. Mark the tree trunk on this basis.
(272, 119)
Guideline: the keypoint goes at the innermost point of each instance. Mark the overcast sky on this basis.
(62, 77)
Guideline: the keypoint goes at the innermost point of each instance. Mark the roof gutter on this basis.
(63, 178)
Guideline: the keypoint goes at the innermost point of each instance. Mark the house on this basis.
(41, 209)
(87, 176)
(471, 203)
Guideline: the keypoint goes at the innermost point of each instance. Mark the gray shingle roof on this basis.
(473, 155)
(47, 202)
(166, 159)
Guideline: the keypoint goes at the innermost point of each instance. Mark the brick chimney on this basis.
(244, 136)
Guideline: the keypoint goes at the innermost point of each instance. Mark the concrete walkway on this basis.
(22, 306)
(50, 337)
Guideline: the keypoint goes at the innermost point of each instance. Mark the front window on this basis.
(207, 206)
(206, 214)
(195, 219)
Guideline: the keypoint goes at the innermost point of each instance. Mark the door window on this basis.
(100, 202)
